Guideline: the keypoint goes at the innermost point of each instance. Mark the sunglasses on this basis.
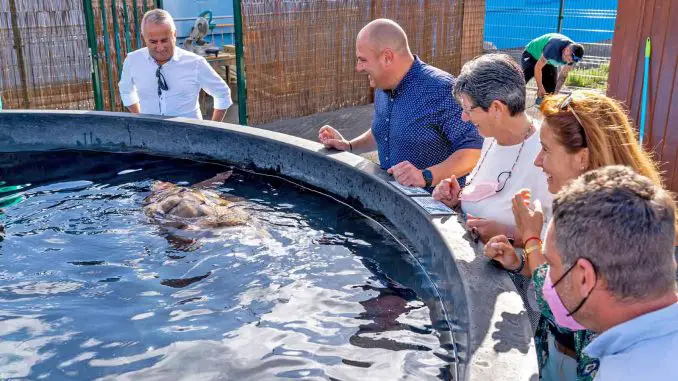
(566, 105)
(162, 83)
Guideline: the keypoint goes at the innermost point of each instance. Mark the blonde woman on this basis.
(580, 132)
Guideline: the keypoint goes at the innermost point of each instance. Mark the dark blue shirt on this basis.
(420, 121)
(553, 51)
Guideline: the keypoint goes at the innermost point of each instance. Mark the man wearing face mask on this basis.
(163, 79)
(611, 270)
(417, 127)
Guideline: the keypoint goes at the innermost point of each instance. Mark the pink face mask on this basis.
(478, 191)
(560, 313)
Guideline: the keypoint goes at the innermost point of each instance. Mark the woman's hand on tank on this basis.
(485, 229)
(447, 192)
(529, 219)
(499, 249)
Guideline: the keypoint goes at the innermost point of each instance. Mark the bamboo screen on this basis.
(300, 54)
(44, 60)
(44, 55)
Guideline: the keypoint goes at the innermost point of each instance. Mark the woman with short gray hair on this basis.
(491, 91)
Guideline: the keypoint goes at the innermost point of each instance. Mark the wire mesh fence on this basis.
(117, 28)
(300, 55)
(509, 26)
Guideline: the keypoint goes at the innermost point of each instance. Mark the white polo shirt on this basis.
(186, 73)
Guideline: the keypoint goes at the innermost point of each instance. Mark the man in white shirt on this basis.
(162, 79)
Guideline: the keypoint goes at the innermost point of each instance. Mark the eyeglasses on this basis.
(464, 110)
(502, 179)
(162, 83)
(565, 105)
(595, 270)
(470, 110)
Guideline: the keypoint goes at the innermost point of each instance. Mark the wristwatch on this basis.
(428, 177)
(522, 263)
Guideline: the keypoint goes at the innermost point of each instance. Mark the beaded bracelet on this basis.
(530, 239)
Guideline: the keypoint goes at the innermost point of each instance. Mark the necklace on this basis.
(510, 172)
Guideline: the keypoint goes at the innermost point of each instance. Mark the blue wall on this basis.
(514, 23)
(192, 8)
(508, 23)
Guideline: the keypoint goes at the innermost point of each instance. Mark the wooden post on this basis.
(636, 21)
(18, 47)
(473, 26)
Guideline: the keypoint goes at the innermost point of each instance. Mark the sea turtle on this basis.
(183, 211)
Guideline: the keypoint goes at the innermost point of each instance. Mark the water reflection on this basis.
(90, 290)
(9, 195)
(382, 314)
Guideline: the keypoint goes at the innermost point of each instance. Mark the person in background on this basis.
(544, 55)
(612, 271)
(163, 79)
(582, 131)
(417, 127)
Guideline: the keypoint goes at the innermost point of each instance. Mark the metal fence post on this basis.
(240, 63)
(137, 23)
(126, 26)
(94, 54)
(107, 50)
(116, 34)
(561, 16)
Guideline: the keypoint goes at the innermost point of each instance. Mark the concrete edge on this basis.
(490, 329)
